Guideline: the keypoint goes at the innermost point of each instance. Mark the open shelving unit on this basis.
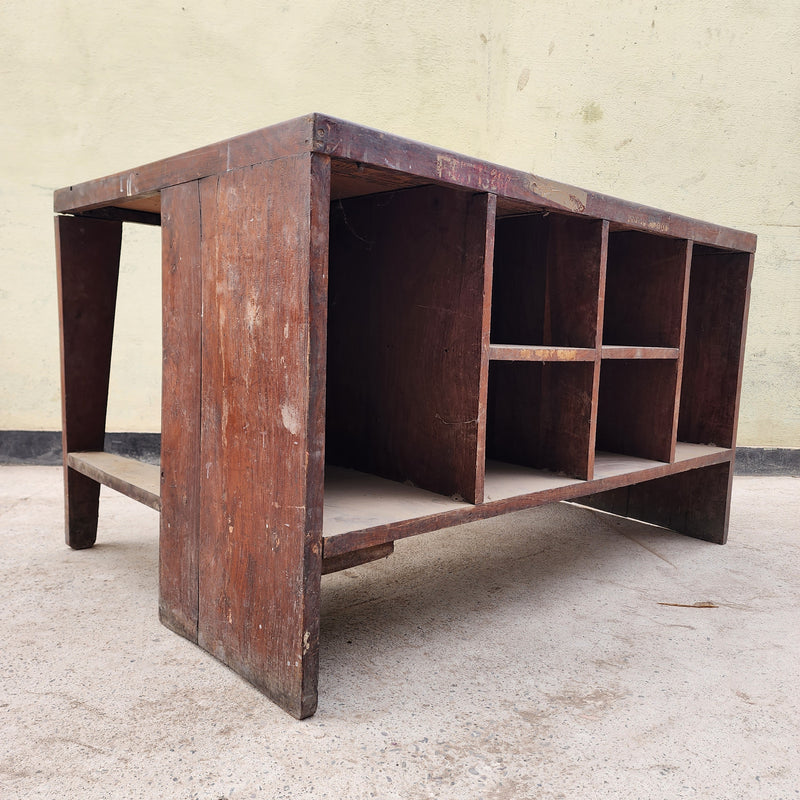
(366, 338)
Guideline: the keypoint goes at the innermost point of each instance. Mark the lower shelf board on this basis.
(364, 511)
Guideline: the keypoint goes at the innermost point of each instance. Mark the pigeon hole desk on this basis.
(367, 338)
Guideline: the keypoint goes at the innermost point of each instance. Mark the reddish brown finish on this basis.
(473, 310)
(405, 337)
(369, 537)
(262, 440)
(695, 503)
(87, 256)
(645, 278)
(181, 298)
(719, 289)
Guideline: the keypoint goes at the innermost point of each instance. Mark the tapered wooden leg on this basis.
(264, 290)
(87, 254)
(695, 503)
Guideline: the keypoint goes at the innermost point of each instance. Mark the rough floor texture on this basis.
(532, 656)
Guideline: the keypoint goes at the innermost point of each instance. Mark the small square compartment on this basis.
(539, 415)
(546, 278)
(645, 278)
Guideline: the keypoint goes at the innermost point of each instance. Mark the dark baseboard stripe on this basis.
(768, 461)
(44, 447)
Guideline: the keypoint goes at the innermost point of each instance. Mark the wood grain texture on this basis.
(511, 352)
(694, 503)
(373, 148)
(262, 439)
(87, 258)
(636, 408)
(644, 290)
(355, 558)
(133, 478)
(405, 337)
(630, 353)
(719, 291)
(181, 382)
(509, 488)
(143, 183)
(539, 415)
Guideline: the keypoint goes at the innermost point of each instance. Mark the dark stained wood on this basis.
(636, 408)
(574, 255)
(87, 257)
(285, 138)
(369, 147)
(473, 311)
(645, 278)
(719, 290)
(130, 477)
(695, 503)
(181, 297)
(539, 415)
(355, 558)
(262, 440)
(508, 489)
(405, 337)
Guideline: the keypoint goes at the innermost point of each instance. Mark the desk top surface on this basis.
(368, 161)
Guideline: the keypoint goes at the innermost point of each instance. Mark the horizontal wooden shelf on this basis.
(621, 351)
(133, 478)
(518, 352)
(363, 510)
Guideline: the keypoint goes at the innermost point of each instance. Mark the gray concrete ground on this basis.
(530, 656)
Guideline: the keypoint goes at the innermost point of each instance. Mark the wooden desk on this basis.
(366, 338)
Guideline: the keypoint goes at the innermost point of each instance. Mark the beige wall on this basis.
(688, 106)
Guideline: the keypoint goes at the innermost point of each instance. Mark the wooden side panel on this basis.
(262, 446)
(87, 255)
(644, 290)
(719, 290)
(636, 408)
(405, 337)
(180, 407)
(695, 502)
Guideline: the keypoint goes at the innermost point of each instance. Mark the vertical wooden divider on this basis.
(486, 325)
(87, 258)
(598, 343)
(681, 351)
(264, 250)
(181, 383)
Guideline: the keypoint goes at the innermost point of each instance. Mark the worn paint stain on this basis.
(551, 48)
(591, 112)
(306, 645)
(559, 193)
(623, 143)
(291, 418)
(523, 79)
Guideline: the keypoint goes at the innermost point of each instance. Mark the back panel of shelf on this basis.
(644, 289)
(546, 278)
(405, 337)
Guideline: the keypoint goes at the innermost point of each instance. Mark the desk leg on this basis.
(87, 255)
(695, 503)
(263, 244)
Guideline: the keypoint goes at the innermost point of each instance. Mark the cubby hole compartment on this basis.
(715, 323)
(405, 308)
(539, 415)
(636, 408)
(644, 289)
(546, 279)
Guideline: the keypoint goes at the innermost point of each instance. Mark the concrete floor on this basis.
(528, 656)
